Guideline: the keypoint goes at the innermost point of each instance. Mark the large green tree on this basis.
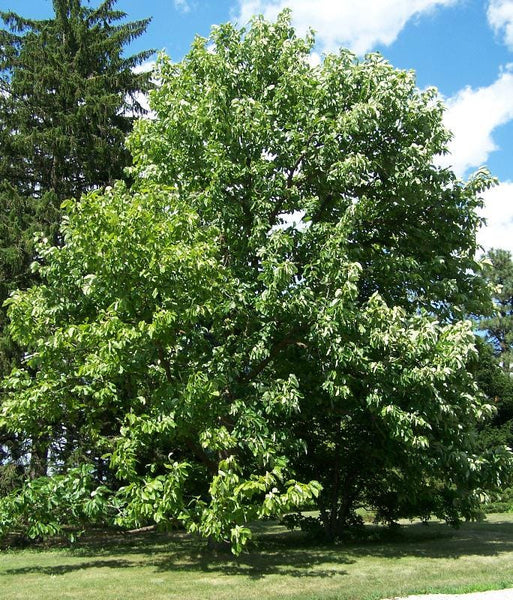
(275, 304)
(68, 97)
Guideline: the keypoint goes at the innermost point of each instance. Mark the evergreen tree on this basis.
(496, 350)
(499, 328)
(68, 97)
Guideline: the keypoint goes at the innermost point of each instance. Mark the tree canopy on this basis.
(68, 97)
(498, 272)
(271, 315)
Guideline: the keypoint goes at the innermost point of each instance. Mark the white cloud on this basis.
(143, 100)
(500, 17)
(314, 59)
(498, 212)
(145, 67)
(292, 220)
(472, 115)
(182, 5)
(359, 26)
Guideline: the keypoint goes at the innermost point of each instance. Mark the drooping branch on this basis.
(274, 352)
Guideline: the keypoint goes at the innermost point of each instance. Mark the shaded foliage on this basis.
(494, 373)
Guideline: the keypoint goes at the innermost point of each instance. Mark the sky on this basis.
(464, 48)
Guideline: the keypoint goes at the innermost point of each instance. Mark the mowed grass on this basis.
(416, 559)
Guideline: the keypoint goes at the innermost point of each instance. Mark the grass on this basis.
(285, 565)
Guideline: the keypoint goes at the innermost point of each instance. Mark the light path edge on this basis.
(506, 594)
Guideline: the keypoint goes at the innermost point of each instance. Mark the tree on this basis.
(68, 97)
(495, 351)
(16, 221)
(498, 272)
(275, 306)
(497, 385)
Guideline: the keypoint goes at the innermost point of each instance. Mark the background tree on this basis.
(495, 350)
(68, 97)
(276, 300)
(498, 272)
(16, 251)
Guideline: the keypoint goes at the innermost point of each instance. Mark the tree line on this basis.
(258, 302)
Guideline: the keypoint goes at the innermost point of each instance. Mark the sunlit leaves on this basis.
(270, 316)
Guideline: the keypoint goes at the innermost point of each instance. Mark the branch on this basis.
(290, 180)
(164, 362)
(275, 350)
(316, 218)
(201, 455)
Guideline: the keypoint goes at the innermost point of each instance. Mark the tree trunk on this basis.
(38, 458)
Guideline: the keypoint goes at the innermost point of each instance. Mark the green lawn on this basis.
(285, 565)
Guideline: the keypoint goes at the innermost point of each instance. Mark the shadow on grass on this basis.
(63, 569)
(282, 552)
(436, 540)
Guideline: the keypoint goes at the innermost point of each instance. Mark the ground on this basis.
(417, 559)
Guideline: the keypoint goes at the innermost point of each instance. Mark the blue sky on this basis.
(462, 47)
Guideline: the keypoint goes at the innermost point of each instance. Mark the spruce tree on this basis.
(68, 98)
(499, 327)
(496, 350)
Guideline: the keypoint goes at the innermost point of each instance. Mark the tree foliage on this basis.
(498, 271)
(68, 97)
(272, 313)
(495, 350)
